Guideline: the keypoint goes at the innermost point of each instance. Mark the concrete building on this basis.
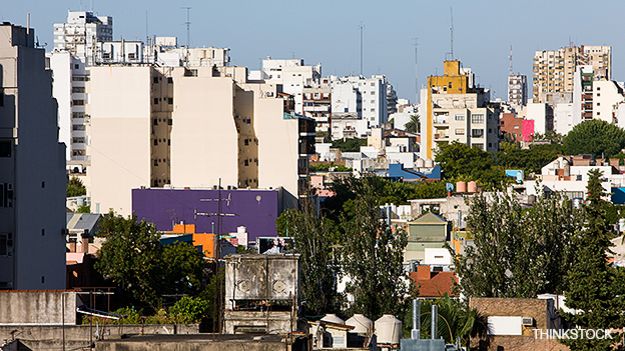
(366, 97)
(317, 99)
(81, 33)
(554, 70)
(517, 89)
(32, 168)
(542, 116)
(292, 75)
(457, 110)
(191, 127)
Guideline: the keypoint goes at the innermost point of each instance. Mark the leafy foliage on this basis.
(372, 255)
(349, 145)
(190, 310)
(315, 239)
(595, 137)
(133, 258)
(462, 162)
(518, 252)
(595, 287)
(75, 187)
(324, 167)
(83, 209)
(414, 125)
(531, 160)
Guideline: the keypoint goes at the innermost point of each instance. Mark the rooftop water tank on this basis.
(388, 329)
(472, 187)
(461, 187)
(332, 318)
(361, 324)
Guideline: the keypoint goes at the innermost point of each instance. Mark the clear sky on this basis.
(327, 31)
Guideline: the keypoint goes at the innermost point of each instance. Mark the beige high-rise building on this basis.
(554, 70)
(159, 126)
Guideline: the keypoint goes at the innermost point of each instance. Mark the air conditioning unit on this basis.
(528, 321)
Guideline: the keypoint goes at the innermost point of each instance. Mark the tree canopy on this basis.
(463, 162)
(349, 145)
(75, 187)
(595, 137)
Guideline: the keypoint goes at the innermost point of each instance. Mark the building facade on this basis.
(457, 111)
(554, 70)
(32, 168)
(81, 33)
(293, 75)
(317, 100)
(517, 89)
(366, 97)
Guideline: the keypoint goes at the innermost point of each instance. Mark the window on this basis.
(5, 148)
(132, 56)
(6, 244)
(78, 140)
(459, 117)
(170, 80)
(6, 195)
(78, 127)
(1, 97)
(155, 121)
(155, 163)
(170, 100)
(170, 122)
(155, 80)
(78, 102)
(155, 101)
(43, 185)
(477, 133)
(78, 89)
(477, 118)
(78, 115)
(155, 142)
(246, 163)
(76, 66)
(43, 232)
(460, 131)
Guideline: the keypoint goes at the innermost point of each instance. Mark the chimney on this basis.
(416, 320)
(434, 331)
(84, 243)
(423, 272)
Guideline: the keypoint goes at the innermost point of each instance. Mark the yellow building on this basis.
(457, 110)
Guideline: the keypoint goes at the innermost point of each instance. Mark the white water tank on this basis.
(361, 324)
(332, 318)
(388, 329)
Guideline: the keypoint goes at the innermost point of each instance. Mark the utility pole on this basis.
(188, 24)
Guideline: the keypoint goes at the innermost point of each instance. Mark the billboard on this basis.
(275, 245)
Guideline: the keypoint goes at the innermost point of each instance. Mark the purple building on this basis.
(255, 209)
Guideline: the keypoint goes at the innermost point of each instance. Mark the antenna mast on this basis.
(362, 28)
(188, 24)
(510, 59)
(451, 31)
(416, 67)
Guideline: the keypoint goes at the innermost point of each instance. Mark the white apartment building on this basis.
(318, 106)
(542, 116)
(517, 89)
(366, 97)
(564, 118)
(32, 168)
(293, 75)
(187, 127)
(81, 33)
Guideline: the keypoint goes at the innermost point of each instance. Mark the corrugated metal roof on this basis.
(82, 221)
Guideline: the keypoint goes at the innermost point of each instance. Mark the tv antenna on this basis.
(362, 29)
(510, 61)
(188, 24)
(416, 67)
(451, 31)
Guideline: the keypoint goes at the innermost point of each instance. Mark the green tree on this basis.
(518, 252)
(183, 268)
(349, 145)
(532, 160)
(83, 209)
(315, 238)
(595, 287)
(190, 310)
(414, 125)
(372, 256)
(462, 162)
(595, 137)
(75, 187)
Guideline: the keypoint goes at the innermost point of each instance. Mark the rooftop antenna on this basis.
(28, 23)
(416, 67)
(451, 31)
(362, 28)
(188, 24)
(510, 61)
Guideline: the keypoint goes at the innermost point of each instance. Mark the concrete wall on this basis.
(45, 307)
(199, 343)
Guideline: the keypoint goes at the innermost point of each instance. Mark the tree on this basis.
(190, 310)
(518, 252)
(595, 287)
(595, 137)
(349, 145)
(75, 187)
(414, 125)
(315, 238)
(463, 162)
(372, 256)
(531, 160)
(133, 258)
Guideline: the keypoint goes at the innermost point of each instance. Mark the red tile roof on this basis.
(438, 284)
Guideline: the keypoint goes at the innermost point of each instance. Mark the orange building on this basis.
(206, 240)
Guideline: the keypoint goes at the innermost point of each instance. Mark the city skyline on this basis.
(389, 34)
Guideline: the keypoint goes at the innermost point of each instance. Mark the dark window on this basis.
(170, 80)
(43, 232)
(155, 142)
(43, 279)
(1, 97)
(43, 185)
(155, 121)
(170, 101)
(170, 121)
(5, 148)
(155, 101)
(155, 80)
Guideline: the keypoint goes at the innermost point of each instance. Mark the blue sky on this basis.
(327, 31)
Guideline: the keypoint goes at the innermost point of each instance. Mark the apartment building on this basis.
(517, 90)
(366, 97)
(318, 106)
(457, 110)
(81, 33)
(293, 75)
(554, 70)
(32, 168)
(191, 128)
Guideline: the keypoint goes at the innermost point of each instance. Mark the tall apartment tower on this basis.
(517, 89)
(81, 33)
(554, 70)
(293, 75)
(32, 168)
(457, 110)
(365, 97)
